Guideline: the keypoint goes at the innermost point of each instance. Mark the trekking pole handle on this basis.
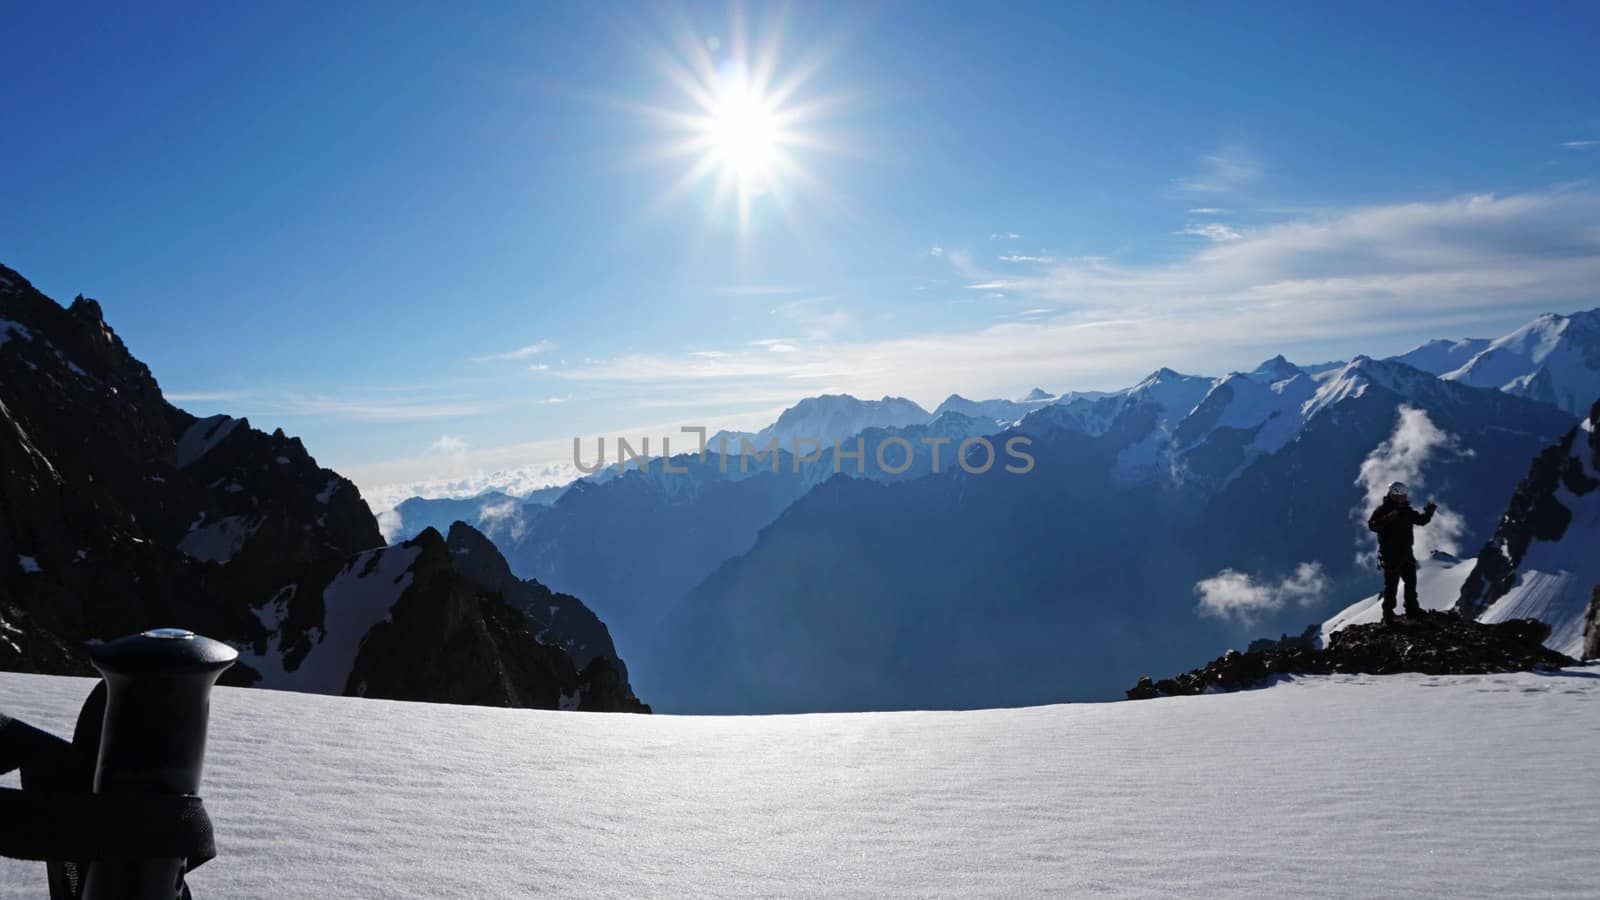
(158, 703)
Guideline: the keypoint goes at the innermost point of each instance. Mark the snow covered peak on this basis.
(1441, 356)
(1176, 393)
(828, 418)
(1002, 412)
(1274, 370)
(1554, 359)
(1346, 383)
(1162, 375)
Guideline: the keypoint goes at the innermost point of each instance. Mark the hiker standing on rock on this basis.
(1392, 521)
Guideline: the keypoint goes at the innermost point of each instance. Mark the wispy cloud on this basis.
(179, 397)
(523, 352)
(1005, 236)
(370, 409)
(1333, 276)
(819, 318)
(538, 367)
(1579, 145)
(1213, 231)
(1227, 169)
(448, 444)
(1022, 258)
(757, 290)
(776, 345)
(936, 250)
(1208, 211)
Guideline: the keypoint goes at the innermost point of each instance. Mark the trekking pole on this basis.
(158, 701)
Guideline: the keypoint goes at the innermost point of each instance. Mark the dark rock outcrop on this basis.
(452, 639)
(1536, 513)
(120, 512)
(1435, 644)
(561, 620)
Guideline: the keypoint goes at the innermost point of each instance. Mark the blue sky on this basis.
(442, 243)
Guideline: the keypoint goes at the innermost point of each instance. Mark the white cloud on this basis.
(1346, 276)
(1215, 231)
(1208, 211)
(1020, 258)
(1230, 594)
(538, 367)
(522, 352)
(1227, 169)
(449, 444)
(936, 250)
(1404, 457)
(369, 409)
(1579, 145)
(819, 317)
(1005, 236)
(756, 290)
(507, 514)
(177, 397)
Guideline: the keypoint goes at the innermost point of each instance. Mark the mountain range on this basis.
(991, 552)
(869, 590)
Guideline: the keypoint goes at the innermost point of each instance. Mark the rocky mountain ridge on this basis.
(120, 512)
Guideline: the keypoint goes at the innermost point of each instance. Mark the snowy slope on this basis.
(1441, 356)
(1002, 412)
(1401, 786)
(1554, 359)
(359, 597)
(828, 418)
(1555, 579)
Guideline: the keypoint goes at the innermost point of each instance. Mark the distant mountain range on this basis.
(809, 591)
(120, 512)
(910, 561)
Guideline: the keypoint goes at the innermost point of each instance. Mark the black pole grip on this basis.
(158, 702)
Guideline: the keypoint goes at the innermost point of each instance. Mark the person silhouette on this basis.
(1392, 521)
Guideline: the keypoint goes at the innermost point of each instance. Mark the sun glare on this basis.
(742, 130)
(743, 125)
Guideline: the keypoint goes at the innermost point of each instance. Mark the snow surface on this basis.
(8, 328)
(826, 418)
(1556, 579)
(1343, 786)
(203, 436)
(1441, 356)
(220, 540)
(1561, 349)
(359, 597)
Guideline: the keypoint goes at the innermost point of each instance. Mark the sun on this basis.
(748, 128)
(742, 131)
